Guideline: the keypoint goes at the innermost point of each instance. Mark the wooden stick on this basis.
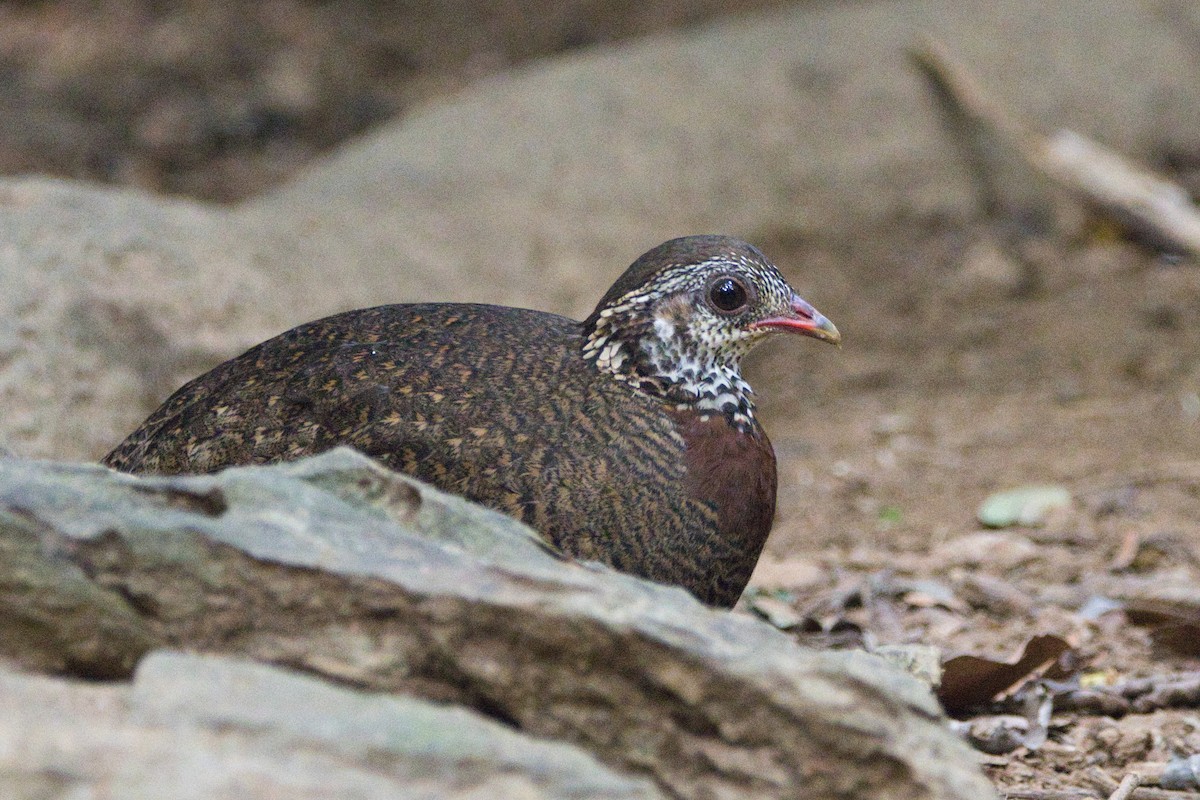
(1133, 196)
(1126, 787)
(996, 143)
(1101, 179)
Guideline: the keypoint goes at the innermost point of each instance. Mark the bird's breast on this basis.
(733, 471)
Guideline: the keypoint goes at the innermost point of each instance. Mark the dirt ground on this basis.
(952, 386)
(966, 369)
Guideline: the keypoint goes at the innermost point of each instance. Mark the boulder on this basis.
(192, 726)
(109, 300)
(343, 570)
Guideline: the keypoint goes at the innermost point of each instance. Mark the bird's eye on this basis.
(728, 295)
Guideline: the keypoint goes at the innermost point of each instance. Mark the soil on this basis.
(969, 365)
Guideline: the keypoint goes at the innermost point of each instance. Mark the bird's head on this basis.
(678, 322)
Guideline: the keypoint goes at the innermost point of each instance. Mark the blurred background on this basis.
(219, 101)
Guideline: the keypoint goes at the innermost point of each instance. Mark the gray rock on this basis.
(108, 301)
(206, 727)
(341, 569)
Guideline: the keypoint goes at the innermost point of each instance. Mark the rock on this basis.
(537, 188)
(108, 301)
(338, 568)
(997, 550)
(1027, 506)
(922, 661)
(810, 125)
(193, 727)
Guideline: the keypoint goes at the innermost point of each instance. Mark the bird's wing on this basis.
(435, 422)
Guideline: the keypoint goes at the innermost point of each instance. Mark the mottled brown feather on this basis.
(502, 406)
(522, 425)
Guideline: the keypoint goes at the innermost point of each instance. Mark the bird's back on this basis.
(492, 403)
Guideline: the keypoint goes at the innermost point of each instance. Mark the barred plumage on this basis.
(628, 438)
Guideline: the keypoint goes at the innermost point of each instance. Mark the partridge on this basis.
(629, 438)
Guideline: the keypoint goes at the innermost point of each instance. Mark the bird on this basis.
(629, 438)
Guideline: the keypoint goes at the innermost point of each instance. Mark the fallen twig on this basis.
(1100, 178)
(1149, 793)
(1126, 787)
(1147, 204)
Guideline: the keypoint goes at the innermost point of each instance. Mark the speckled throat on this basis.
(666, 351)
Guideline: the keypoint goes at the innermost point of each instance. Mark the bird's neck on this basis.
(671, 364)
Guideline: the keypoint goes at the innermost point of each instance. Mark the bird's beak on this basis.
(803, 318)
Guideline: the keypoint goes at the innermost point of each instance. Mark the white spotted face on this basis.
(681, 334)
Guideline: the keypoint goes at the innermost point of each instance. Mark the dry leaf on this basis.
(969, 681)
